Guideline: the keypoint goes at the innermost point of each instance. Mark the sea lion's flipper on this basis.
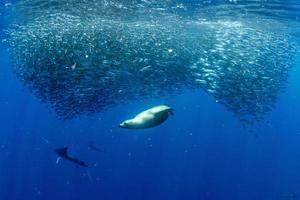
(171, 112)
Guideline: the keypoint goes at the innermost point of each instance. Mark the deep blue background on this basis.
(200, 153)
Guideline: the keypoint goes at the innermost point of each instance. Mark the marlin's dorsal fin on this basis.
(63, 152)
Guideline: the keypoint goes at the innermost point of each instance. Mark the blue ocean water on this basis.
(202, 152)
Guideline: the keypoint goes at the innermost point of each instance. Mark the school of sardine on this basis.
(81, 57)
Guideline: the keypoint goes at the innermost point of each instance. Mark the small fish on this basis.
(145, 68)
(73, 66)
(45, 140)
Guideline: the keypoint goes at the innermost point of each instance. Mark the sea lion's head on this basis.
(130, 123)
(124, 124)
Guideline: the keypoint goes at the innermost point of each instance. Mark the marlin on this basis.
(63, 153)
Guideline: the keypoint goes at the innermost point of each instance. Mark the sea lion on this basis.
(148, 118)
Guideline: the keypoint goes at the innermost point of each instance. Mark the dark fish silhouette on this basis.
(95, 148)
(63, 153)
